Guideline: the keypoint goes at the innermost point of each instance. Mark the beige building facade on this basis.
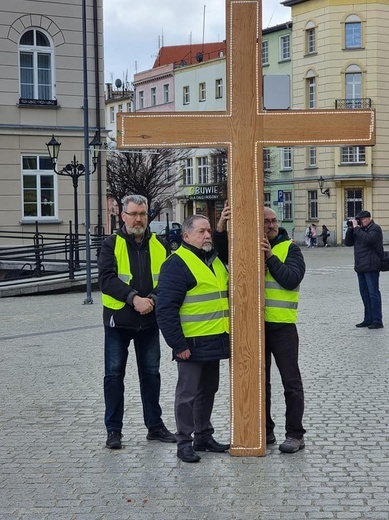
(340, 61)
(42, 94)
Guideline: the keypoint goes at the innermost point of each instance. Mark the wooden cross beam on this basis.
(244, 129)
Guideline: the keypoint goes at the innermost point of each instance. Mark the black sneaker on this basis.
(114, 440)
(375, 326)
(292, 445)
(363, 324)
(210, 445)
(161, 434)
(270, 438)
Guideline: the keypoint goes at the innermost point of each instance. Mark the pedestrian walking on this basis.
(366, 237)
(192, 313)
(313, 235)
(129, 265)
(325, 234)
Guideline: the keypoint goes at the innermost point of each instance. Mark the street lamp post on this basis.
(74, 170)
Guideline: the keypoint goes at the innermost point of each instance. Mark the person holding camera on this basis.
(366, 237)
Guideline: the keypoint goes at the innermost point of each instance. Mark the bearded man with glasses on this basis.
(129, 265)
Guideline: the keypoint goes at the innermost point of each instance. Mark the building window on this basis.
(187, 172)
(120, 108)
(36, 68)
(267, 199)
(312, 205)
(286, 159)
(219, 88)
(310, 38)
(265, 52)
(353, 202)
(202, 92)
(266, 160)
(353, 32)
(141, 99)
(111, 114)
(311, 91)
(312, 160)
(186, 95)
(353, 87)
(38, 187)
(166, 93)
(353, 155)
(202, 170)
(285, 47)
(288, 206)
(153, 96)
(219, 163)
(128, 107)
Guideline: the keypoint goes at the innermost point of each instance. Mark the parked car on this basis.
(159, 227)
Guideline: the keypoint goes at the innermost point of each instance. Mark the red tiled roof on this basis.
(190, 54)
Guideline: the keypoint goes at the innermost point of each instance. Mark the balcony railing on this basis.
(353, 103)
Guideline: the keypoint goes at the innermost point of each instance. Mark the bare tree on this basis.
(151, 173)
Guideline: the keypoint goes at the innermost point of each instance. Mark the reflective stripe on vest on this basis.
(280, 304)
(205, 309)
(157, 257)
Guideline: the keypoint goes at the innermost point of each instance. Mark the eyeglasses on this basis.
(134, 214)
(272, 221)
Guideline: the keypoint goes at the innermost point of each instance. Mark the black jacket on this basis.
(368, 247)
(175, 280)
(288, 274)
(141, 283)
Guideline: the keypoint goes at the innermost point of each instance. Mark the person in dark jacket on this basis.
(193, 316)
(366, 237)
(285, 269)
(129, 264)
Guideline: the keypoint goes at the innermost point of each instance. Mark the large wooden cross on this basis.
(244, 129)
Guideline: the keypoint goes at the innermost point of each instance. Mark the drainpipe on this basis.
(100, 229)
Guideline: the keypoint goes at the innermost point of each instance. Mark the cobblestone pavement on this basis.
(52, 457)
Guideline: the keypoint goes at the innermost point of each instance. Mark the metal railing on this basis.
(353, 103)
(35, 254)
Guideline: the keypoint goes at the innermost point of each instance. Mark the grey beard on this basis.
(136, 231)
(207, 247)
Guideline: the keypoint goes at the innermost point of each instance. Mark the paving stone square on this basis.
(53, 460)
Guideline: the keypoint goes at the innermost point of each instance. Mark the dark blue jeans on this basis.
(148, 354)
(371, 296)
(283, 344)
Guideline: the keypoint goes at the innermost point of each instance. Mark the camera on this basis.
(349, 223)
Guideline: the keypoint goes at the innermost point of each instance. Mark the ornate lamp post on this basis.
(74, 170)
(325, 191)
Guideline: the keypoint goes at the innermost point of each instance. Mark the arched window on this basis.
(353, 86)
(310, 38)
(36, 68)
(311, 88)
(353, 32)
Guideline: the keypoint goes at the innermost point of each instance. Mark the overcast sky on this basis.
(135, 29)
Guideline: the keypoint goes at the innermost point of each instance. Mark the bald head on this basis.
(271, 223)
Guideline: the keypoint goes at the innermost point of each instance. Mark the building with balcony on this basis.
(41, 94)
(339, 61)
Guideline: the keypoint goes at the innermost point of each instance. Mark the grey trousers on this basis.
(195, 394)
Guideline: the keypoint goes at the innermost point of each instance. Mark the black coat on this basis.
(141, 283)
(368, 247)
(175, 280)
(288, 274)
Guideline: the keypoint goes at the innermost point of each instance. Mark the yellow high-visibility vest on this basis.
(205, 309)
(157, 257)
(280, 304)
